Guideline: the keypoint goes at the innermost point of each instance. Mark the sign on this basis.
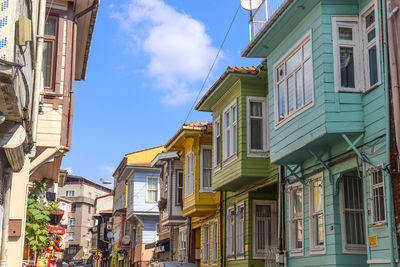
(373, 241)
(96, 257)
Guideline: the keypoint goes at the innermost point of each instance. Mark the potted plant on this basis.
(162, 204)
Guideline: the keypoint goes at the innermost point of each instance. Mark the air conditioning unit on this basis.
(109, 227)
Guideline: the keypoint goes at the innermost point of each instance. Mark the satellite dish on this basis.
(250, 4)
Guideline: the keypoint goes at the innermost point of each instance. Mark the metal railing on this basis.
(261, 15)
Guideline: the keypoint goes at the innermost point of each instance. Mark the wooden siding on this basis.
(139, 192)
(244, 169)
(149, 229)
(49, 126)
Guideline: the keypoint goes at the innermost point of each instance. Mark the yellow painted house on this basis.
(194, 145)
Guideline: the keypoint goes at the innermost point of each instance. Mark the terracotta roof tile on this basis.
(242, 68)
(197, 123)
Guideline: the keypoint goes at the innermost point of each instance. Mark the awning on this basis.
(12, 137)
(57, 229)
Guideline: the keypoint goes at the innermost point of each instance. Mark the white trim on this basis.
(348, 22)
(206, 225)
(379, 261)
(272, 204)
(378, 168)
(147, 189)
(214, 242)
(189, 174)
(239, 205)
(230, 241)
(205, 189)
(307, 37)
(316, 249)
(232, 124)
(364, 12)
(216, 165)
(294, 252)
(354, 249)
(264, 130)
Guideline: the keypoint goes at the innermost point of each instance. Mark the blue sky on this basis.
(147, 63)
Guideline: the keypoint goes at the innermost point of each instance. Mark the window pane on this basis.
(318, 196)
(299, 88)
(256, 109)
(152, 196)
(370, 19)
(371, 35)
(256, 134)
(50, 27)
(47, 56)
(280, 72)
(227, 119)
(282, 102)
(373, 66)
(234, 139)
(291, 93)
(299, 234)
(307, 49)
(308, 82)
(320, 230)
(234, 114)
(345, 33)
(294, 61)
(347, 67)
(297, 203)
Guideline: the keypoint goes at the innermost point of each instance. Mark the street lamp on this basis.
(105, 181)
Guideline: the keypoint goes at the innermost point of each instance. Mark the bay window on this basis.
(256, 126)
(189, 173)
(230, 130)
(205, 168)
(294, 81)
(49, 52)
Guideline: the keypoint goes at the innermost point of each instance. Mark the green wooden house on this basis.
(241, 165)
(329, 127)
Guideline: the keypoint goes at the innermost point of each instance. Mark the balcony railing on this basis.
(262, 14)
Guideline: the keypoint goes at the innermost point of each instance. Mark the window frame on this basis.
(350, 249)
(371, 171)
(303, 40)
(189, 174)
(202, 188)
(71, 236)
(147, 188)
(240, 255)
(226, 159)
(53, 39)
(72, 220)
(314, 248)
(206, 256)
(217, 165)
(70, 193)
(177, 203)
(294, 252)
(364, 12)
(230, 240)
(214, 242)
(272, 204)
(348, 22)
(182, 239)
(264, 123)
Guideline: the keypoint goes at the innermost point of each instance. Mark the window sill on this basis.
(229, 160)
(240, 257)
(230, 258)
(317, 251)
(296, 253)
(257, 154)
(378, 225)
(372, 88)
(293, 115)
(262, 257)
(355, 250)
(206, 190)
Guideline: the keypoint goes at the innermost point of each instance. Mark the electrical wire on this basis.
(213, 64)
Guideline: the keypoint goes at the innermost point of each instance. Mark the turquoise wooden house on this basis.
(241, 166)
(329, 128)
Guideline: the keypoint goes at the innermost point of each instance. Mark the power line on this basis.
(213, 64)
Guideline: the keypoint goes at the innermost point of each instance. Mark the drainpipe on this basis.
(38, 76)
(6, 215)
(393, 72)
(281, 217)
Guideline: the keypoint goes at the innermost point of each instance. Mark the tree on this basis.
(37, 218)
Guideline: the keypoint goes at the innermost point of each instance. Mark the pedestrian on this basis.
(59, 262)
(71, 264)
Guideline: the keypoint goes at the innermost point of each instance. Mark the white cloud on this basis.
(180, 50)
